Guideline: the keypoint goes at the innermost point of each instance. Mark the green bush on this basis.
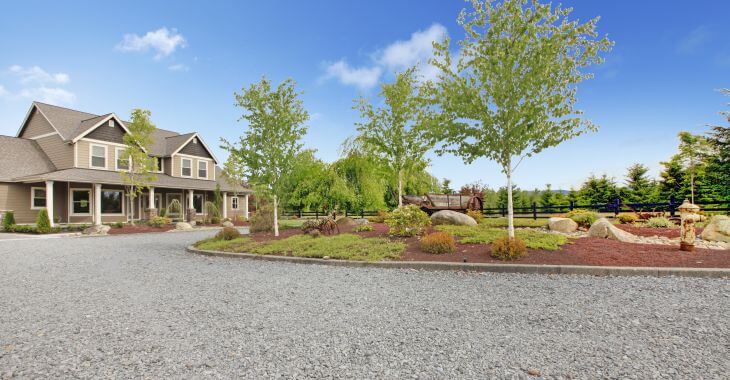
(659, 222)
(476, 215)
(407, 221)
(228, 233)
(42, 222)
(263, 219)
(363, 228)
(508, 249)
(438, 243)
(23, 229)
(584, 218)
(627, 217)
(159, 221)
(380, 218)
(8, 220)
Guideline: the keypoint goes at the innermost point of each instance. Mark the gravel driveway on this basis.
(140, 306)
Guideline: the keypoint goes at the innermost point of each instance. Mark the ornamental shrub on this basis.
(584, 218)
(627, 217)
(228, 233)
(159, 221)
(363, 228)
(659, 222)
(263, 219)
(508, 249)
(407, 221)
(438, 243)
(8, 220)
(380, 218)
(476, 215)
(42, 222)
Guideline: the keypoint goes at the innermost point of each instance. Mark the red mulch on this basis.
(648, 231)
(137, 229)
(583, 251)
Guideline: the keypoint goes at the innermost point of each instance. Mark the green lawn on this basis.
(288, 224)
(344, 246)
(483, 234)
(519, 222)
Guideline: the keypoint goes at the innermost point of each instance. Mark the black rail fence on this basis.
(534, 211)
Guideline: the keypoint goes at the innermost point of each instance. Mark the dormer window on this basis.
(195, 140)
(111, 123)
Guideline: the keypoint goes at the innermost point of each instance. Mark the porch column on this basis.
(152, 210)
(49, 201)
(151, 201)
(191, 207)
(224, 212)
(190, 199)
(245, 206)
(97, 204)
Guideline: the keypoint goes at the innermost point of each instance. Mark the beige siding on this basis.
(83, 152)
(16, 197)
(177, 166)
(167, 166)
(60, 153)
(37, 125)
(229, 205)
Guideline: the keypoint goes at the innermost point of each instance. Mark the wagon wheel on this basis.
(475, 203)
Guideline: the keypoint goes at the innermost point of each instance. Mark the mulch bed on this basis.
(648, 231)
(138, 229)
(583, 251)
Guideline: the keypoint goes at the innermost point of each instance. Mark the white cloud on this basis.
(178, 67)
(362, 77)
(52, 95)
(36, 75)
(397, 56)
(163, 41)
(3, 91)
(693, 41)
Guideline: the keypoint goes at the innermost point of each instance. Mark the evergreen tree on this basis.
(547, 197)
(639, 187)
(672, 182)
(599, 190)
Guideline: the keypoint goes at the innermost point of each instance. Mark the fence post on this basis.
(345, 213)
(316, 214)
(616, 206)
(300, 213)
(672, 202)
(501, 209)
(534, 211)
(362, 214)
(571, 206)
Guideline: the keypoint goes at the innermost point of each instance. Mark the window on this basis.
(98, 156)
(198, 203)
(186, 170)
(80, 202)
(111, 123)
(160, 161)
(37, 198)
(122, 161)
(112, 202)
(234, 203)
(195, 140)
(203, 169)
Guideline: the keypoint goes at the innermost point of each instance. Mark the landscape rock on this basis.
(97, 230)
(718, 229)
(361, 221)
(603, 228)
(227, 223)
(183, 226)
(453, 218)
(564, 225)
(345, 221)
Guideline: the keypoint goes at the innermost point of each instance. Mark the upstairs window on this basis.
(160, 162)
(203, 169)
(186, 169)
(111, 123)
(98, 157)
(122, 160)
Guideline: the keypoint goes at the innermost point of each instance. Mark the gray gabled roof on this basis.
(22, 157)
(175, 142)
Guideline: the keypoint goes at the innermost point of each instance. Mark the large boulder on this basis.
(97, 230)
(183, 226)
(452, 218)
(564, 225)
(718, 229)
(345, 221)
(603, 228)
(227, 223)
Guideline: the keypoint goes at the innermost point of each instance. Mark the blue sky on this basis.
(184, 62)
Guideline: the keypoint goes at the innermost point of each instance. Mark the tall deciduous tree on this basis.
(268, 146)
(512, 92)
(396, 133)
(693, 150)
(141, 166)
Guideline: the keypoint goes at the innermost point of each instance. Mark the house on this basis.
(69, 163)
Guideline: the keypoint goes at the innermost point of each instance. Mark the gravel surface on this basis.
(140, 306)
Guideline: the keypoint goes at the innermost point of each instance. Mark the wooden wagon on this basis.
(431, 203)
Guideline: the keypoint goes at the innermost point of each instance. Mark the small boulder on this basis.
(227, 223)
(345, 221)
(183, 226)
(453, 218)
(603, 228)
(564, 225)
(97, 230)
(362, 221)
(717, 229)
(314, 233)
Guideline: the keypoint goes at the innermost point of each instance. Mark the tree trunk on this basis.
(510, 207)
(400, 188)
(276, 217)
(692, 186)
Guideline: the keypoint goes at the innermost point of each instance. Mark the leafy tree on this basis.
(396, 133)
(365, 178)
(512, 92)
(218, 197)
(234, 172)
(267, 148)
(718, 167)
(315, 185)
(693, 149)
(639, 187)
(142, 166)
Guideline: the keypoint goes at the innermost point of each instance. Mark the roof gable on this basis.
(18, 150)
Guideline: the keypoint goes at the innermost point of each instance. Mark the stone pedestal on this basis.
(192, 214)
(152, 213)
(689, 214)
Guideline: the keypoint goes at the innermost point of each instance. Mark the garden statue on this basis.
(689, 214)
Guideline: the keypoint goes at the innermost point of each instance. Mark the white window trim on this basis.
(116, 160)
(91, 156)
(32, 198)
(236, 203)
(162, 164)
(124, 203)
(206, 169)
(182, 166)
(71, 201)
